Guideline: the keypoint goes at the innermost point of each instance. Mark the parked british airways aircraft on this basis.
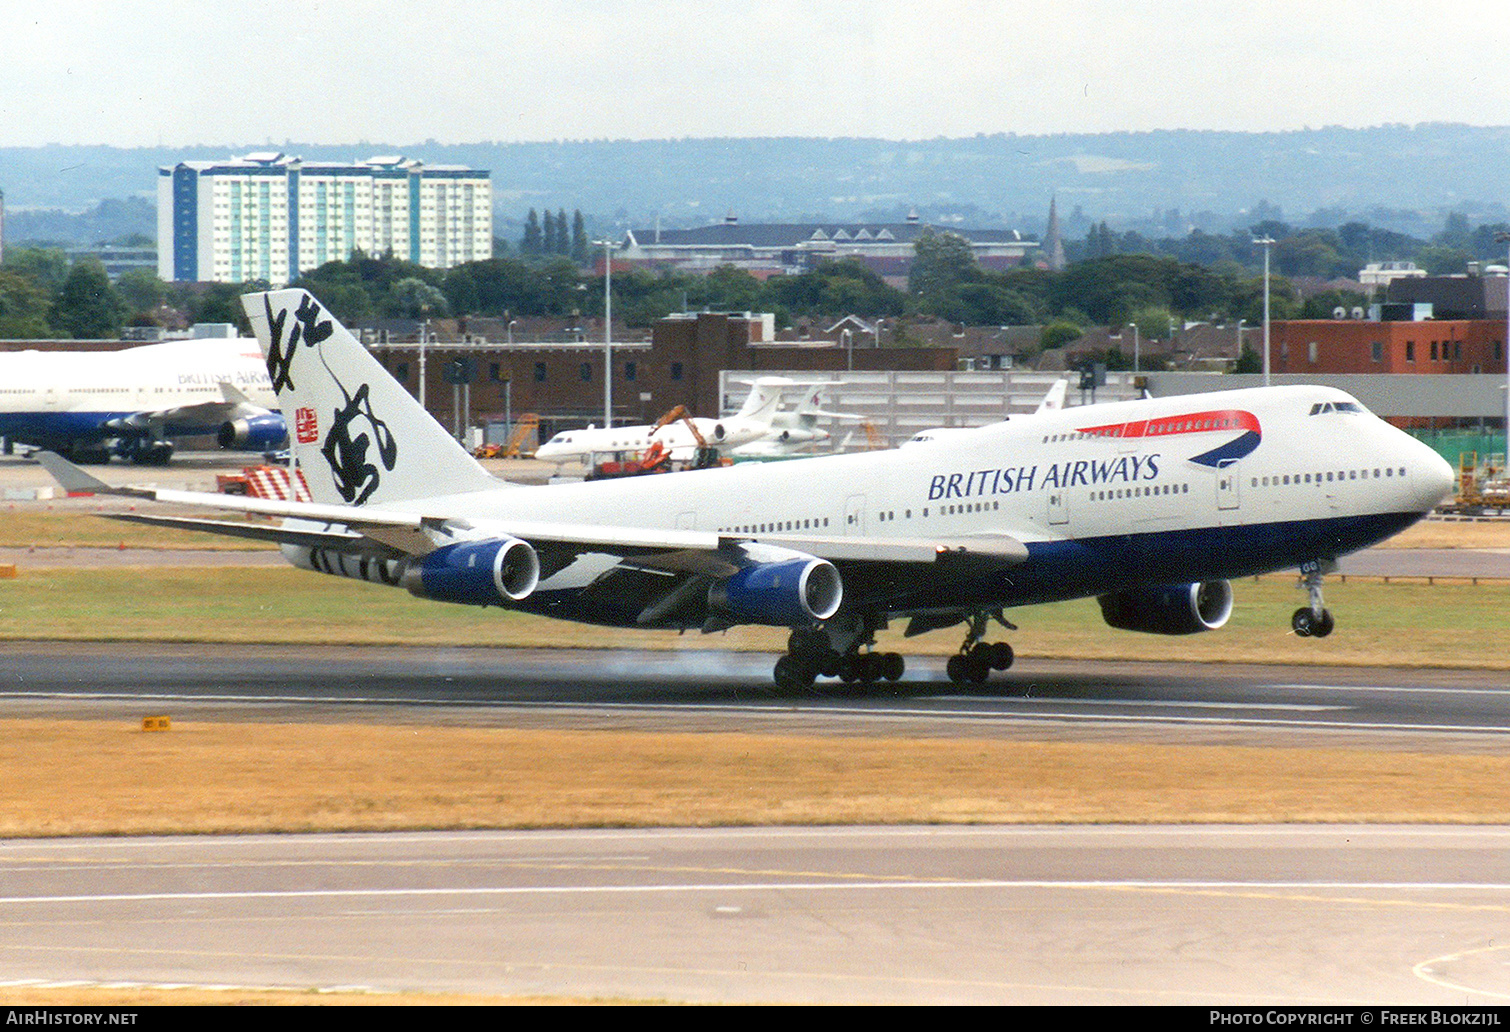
(131, 403)
(1151, 506)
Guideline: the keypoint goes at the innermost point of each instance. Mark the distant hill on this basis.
(1401, 177)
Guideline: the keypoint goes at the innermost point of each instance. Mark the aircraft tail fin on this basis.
(358, 435)
(1054, 399)
(764, 398)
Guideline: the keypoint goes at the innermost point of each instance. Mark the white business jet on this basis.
(1152, 506)
(675, 438)
(1052, 401)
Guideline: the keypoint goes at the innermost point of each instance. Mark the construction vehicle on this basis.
(657, 457)
(525, 429)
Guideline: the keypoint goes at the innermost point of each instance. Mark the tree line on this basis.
(1112, 280)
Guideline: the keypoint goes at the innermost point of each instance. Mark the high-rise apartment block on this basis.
(268, 216)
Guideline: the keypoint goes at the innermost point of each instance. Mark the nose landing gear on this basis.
(1314, 620)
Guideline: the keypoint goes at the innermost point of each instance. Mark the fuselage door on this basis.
(854, 515)
(1059, 506)
(1227, 491)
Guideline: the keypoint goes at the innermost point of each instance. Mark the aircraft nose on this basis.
(1435, 479)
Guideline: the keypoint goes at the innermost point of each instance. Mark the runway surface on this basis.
(731, 690)
(1329, 916)
(1092, 915)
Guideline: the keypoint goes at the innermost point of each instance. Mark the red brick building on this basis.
(563, 381)
(1358, 346)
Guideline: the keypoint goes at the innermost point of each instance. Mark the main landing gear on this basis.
(976, 659)
(833, 650)
(1314, 620)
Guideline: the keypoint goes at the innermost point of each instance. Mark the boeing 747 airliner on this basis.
(1151, 506)
(91, 405)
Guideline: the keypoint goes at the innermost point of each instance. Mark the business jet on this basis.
(676, 437)
(1052, 401)
(795, 431)
(1152, 506)
(131, 403)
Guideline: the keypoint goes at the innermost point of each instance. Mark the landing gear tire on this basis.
(1308, 625)
(972, 668)
(1002, 655)
(792, 675)
(1314, 620)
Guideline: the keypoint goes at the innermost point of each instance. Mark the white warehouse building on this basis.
(268, 216)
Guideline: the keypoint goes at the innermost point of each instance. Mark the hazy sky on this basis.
(340, 71)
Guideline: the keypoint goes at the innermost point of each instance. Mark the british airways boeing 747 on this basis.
(1151, 506)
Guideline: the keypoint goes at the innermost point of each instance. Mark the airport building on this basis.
(769, 249)
(269, 216)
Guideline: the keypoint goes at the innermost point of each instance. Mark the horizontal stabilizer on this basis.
(78, 481)
(331, 540)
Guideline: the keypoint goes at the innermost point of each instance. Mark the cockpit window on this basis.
(1335, 406)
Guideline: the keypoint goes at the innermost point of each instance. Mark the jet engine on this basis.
(476, 573)
(1169, 608)
(786, 592)
(254, 433)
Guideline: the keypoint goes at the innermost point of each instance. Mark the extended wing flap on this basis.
(333, 540)
(1000, 547)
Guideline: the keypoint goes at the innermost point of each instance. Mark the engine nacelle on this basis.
(1169, 608)
(343, 564)
(254, 433)
(476, 573)
(785, 593)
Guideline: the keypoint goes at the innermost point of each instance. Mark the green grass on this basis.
(1395, 624)
(45, 528)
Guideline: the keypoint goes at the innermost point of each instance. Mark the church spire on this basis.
(1053, 243)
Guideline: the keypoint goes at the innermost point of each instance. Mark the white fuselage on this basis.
(49, 397)
(676, 438)
(1159, 490)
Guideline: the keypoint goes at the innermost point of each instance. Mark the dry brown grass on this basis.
(70, 777)
(1453, 534)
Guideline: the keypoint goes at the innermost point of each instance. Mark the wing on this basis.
(393, 533)
(200, 417)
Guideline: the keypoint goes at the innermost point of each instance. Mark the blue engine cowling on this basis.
(1169, 608)
(476, 573)
(254, 433)
(786, 593)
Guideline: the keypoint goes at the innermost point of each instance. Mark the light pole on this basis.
(608, 246)
(1504, 238)
(1135, 347)
(1265, 243)
(512, 323)
(424, 331)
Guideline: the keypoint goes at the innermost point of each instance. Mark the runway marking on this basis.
(1391, 688)
(1423, 971)
(1260, 889)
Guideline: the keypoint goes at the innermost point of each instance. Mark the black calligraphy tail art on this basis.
(308, 328)
(347, 443)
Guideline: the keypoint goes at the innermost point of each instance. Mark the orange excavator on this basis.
(657, 457)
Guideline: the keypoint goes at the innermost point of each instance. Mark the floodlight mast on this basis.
(1266, 243)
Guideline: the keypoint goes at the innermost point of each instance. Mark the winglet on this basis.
(233, 395)
(75, 480)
